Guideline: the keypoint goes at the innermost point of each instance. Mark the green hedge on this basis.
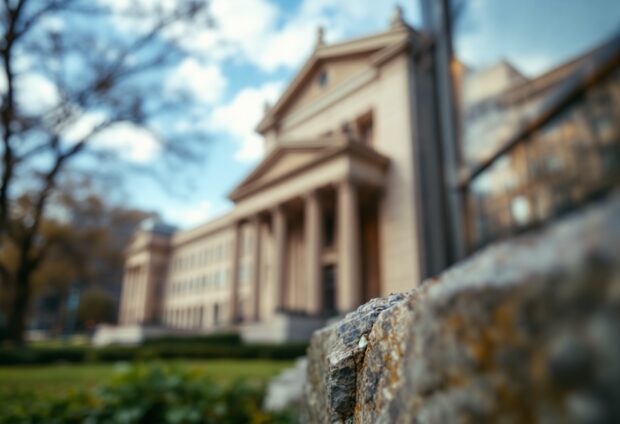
(145, 395)
(13, 356)
(228, 339)
(170, 350)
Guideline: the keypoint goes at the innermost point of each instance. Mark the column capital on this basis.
(348, 182)
(278, 211)
(313, 193)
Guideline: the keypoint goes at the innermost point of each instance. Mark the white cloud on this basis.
(3, 83)
(36, 93)
(240, 116)
(131, 142)
(250, 31)
(83, 127)
(289, 46)
(241, 32)
(203, 82)
(190, 216)
(258, 32)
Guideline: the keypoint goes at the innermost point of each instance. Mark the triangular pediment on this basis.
(286, 163)
(327, 75)
(339, 63)
(292, 159)
(282, 161)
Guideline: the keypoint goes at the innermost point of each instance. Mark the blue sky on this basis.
(535, 35)
(257, 46)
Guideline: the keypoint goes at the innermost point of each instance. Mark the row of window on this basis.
(210, 254)
(217, 279)
(194, 317)
(213, 280)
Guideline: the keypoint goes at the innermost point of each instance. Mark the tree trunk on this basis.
(19, 305)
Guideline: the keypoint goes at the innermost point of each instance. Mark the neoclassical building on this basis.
(342, 208)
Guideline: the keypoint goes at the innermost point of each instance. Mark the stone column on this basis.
(234, 273)
(349, 289)
(313, 242)
(280, 259)
(256, 271)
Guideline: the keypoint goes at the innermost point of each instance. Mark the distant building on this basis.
(550, 142)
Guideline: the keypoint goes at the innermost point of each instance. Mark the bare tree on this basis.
(100, 62)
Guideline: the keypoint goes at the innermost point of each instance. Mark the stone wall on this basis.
(526, 331)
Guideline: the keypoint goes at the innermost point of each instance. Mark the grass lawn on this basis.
(59, 379)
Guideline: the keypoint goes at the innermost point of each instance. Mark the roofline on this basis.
(323, 52)
(297, 145)
(555, 75)
(212, 226)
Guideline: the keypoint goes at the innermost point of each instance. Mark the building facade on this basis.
(333, 215)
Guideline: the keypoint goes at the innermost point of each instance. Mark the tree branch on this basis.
(8, 108)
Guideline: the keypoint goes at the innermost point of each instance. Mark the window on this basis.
(323, 79)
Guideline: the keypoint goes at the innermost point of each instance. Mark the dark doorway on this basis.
(329, 290)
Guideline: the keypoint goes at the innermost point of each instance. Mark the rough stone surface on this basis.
(337, 355)
(526, 331)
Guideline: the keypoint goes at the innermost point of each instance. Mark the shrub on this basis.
(148, 394)
(229, 339)
(16, 356)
